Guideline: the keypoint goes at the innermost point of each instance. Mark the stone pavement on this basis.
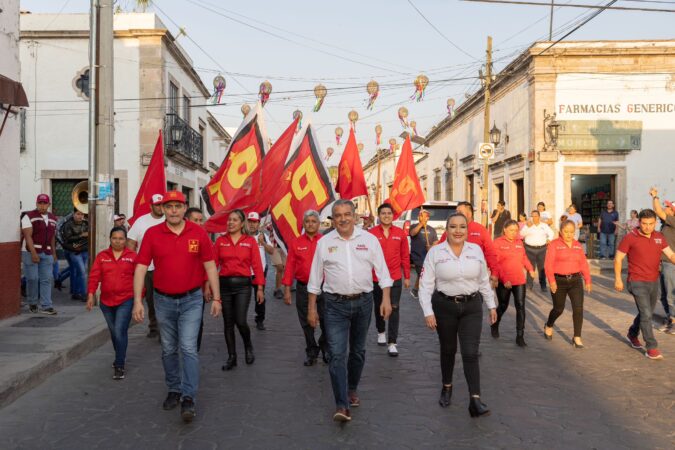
(548, 395)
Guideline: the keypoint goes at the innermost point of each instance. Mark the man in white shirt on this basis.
(343, 262)
(536, 235)
(264, 246)
(134, 242)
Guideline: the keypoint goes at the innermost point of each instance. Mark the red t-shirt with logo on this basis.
(239, 259)
(396, 251)
(511, 260)
(644, 255)
(179, 258)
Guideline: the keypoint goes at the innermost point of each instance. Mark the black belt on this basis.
(300, 283)
(535, 246)
(346, 297)
(459, 298)
(180, 294)
(568, 277)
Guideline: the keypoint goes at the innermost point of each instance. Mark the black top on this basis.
(419, 242)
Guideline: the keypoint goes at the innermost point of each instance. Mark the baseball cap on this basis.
(157, 199)
(173, 196)
(669, 204)
(42, 198)
(116, 218)
(253, 216)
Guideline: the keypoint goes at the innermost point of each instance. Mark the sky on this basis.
(298, 44)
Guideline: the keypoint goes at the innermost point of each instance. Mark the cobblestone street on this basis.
(548, 395)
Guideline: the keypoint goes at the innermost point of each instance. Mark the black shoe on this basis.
(187, 410)
(48, 311)
(58, 285)
(78, 297)
(446, 394)
(250, 357)
(324, 356)
(231, 363)
(520, 341)
(544, 288)
(33, 309)
(119, 373)
(172, 400)
(152, 334)
(478, 408)
(260, 325)
(278, 294)
(309, 361)
(494, 330)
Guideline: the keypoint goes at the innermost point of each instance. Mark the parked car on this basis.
(438, 215)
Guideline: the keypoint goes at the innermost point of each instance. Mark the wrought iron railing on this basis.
(181, 140)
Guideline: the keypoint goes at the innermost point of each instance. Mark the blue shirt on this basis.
(607, 221)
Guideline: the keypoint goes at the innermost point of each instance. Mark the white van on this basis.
(438, 215)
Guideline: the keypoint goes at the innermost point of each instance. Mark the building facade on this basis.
(156, 88)
(613, 105)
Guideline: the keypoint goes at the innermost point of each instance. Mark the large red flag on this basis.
(406, 191)
(351, 182)
(305, 184)
(154, 181)
(270, 173)
(246, 151)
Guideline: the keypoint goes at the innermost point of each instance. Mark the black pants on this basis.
(235, 293)
(574, 288)
(537, 256)
(463, 321)
(150, 300)
(301, 305)
(504, 298)
(394, 317)
(259, 307)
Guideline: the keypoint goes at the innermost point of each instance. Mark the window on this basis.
(449, 182)
(186, 108)
(468, 189)
(173, 98)
(171, 186)
(437, 184)
(423, 182)
(187, 192)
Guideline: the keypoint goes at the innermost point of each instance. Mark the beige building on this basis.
(613, 106)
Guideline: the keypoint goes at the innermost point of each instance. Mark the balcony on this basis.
(182, 142)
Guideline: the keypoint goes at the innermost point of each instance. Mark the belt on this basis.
(535, 246)
(346, 297)
(569, 276)
(460, 298)
(180, 294)
(300, 283)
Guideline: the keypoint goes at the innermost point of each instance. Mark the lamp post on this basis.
(176, 134)
(551, 128)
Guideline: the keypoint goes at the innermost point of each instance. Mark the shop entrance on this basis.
(590, 193)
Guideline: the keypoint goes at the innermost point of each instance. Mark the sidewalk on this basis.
(36, 346)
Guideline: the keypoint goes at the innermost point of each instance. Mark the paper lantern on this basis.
(353, 116)
(245, 109)
(378, 134)
(265, 91)
(218, 89)
(320, 93)
(420, 83)
(373, 89)
(403, 116)
(338, 135)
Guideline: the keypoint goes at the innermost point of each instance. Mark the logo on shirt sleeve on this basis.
(193, 245)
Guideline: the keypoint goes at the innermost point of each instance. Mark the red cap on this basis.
(254, 216)
(669, 204)
(42, 198)
(173, 196)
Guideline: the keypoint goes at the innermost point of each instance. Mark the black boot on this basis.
(520, 340)
(250, 357)
(446, 394)
(494, 329)
(478, 408)
(231, 362)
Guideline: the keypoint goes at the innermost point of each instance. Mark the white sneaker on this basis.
(392, 350)
(381, 339)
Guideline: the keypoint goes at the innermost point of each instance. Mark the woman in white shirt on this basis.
(454, 283)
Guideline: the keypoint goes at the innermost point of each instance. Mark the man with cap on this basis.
(135, 243)
(120, 220)
(667, 216)
(39, 232)
(265, 246)
(183, 254)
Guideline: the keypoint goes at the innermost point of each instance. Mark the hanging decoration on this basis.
(329, 153)
(420, 83)
(320, 93)
(264, 92)
(392, 145)
(360, 146)
(218, 89)
(373, 89)
(338, 135)
(403, 116)
(245, 109)
(451, 107)
(353, 117)
(297, 114)
(413, 126)
(378, 134)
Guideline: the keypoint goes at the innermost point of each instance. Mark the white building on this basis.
(156, 87)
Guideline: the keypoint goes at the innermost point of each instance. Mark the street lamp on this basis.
(447, 163)
(176, 134)
(551, 129)
(495, 135)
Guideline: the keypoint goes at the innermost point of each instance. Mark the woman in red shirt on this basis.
(566, 265)
(511, 265)
(113, 269)
(238, 257)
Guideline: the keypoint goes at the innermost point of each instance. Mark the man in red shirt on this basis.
(182, 252)
(299, 261)
(394, 245)
(644, 247)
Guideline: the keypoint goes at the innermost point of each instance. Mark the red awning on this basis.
(12, 93)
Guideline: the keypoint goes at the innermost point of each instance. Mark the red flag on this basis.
(406, 191)
(236, 175)
(154, 181)
(305, 184)
(351, 182)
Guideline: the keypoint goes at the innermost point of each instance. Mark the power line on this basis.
(573, 5)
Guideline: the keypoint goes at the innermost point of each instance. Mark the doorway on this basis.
(517, 198)
(590, 194)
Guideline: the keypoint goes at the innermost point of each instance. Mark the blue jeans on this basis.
(118, 318)
(346, 323)
(668, 288)
(179, 321)
(644, 293)
(78, 272)
(607, 245)
(39, 278)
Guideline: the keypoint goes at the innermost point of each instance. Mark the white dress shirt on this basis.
(445, 272)
(537, 235)
(345, 266)
(261, 248)
(137, 231)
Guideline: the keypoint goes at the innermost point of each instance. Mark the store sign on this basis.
(599, 135)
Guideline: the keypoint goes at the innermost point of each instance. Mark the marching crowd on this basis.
(341, 279)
